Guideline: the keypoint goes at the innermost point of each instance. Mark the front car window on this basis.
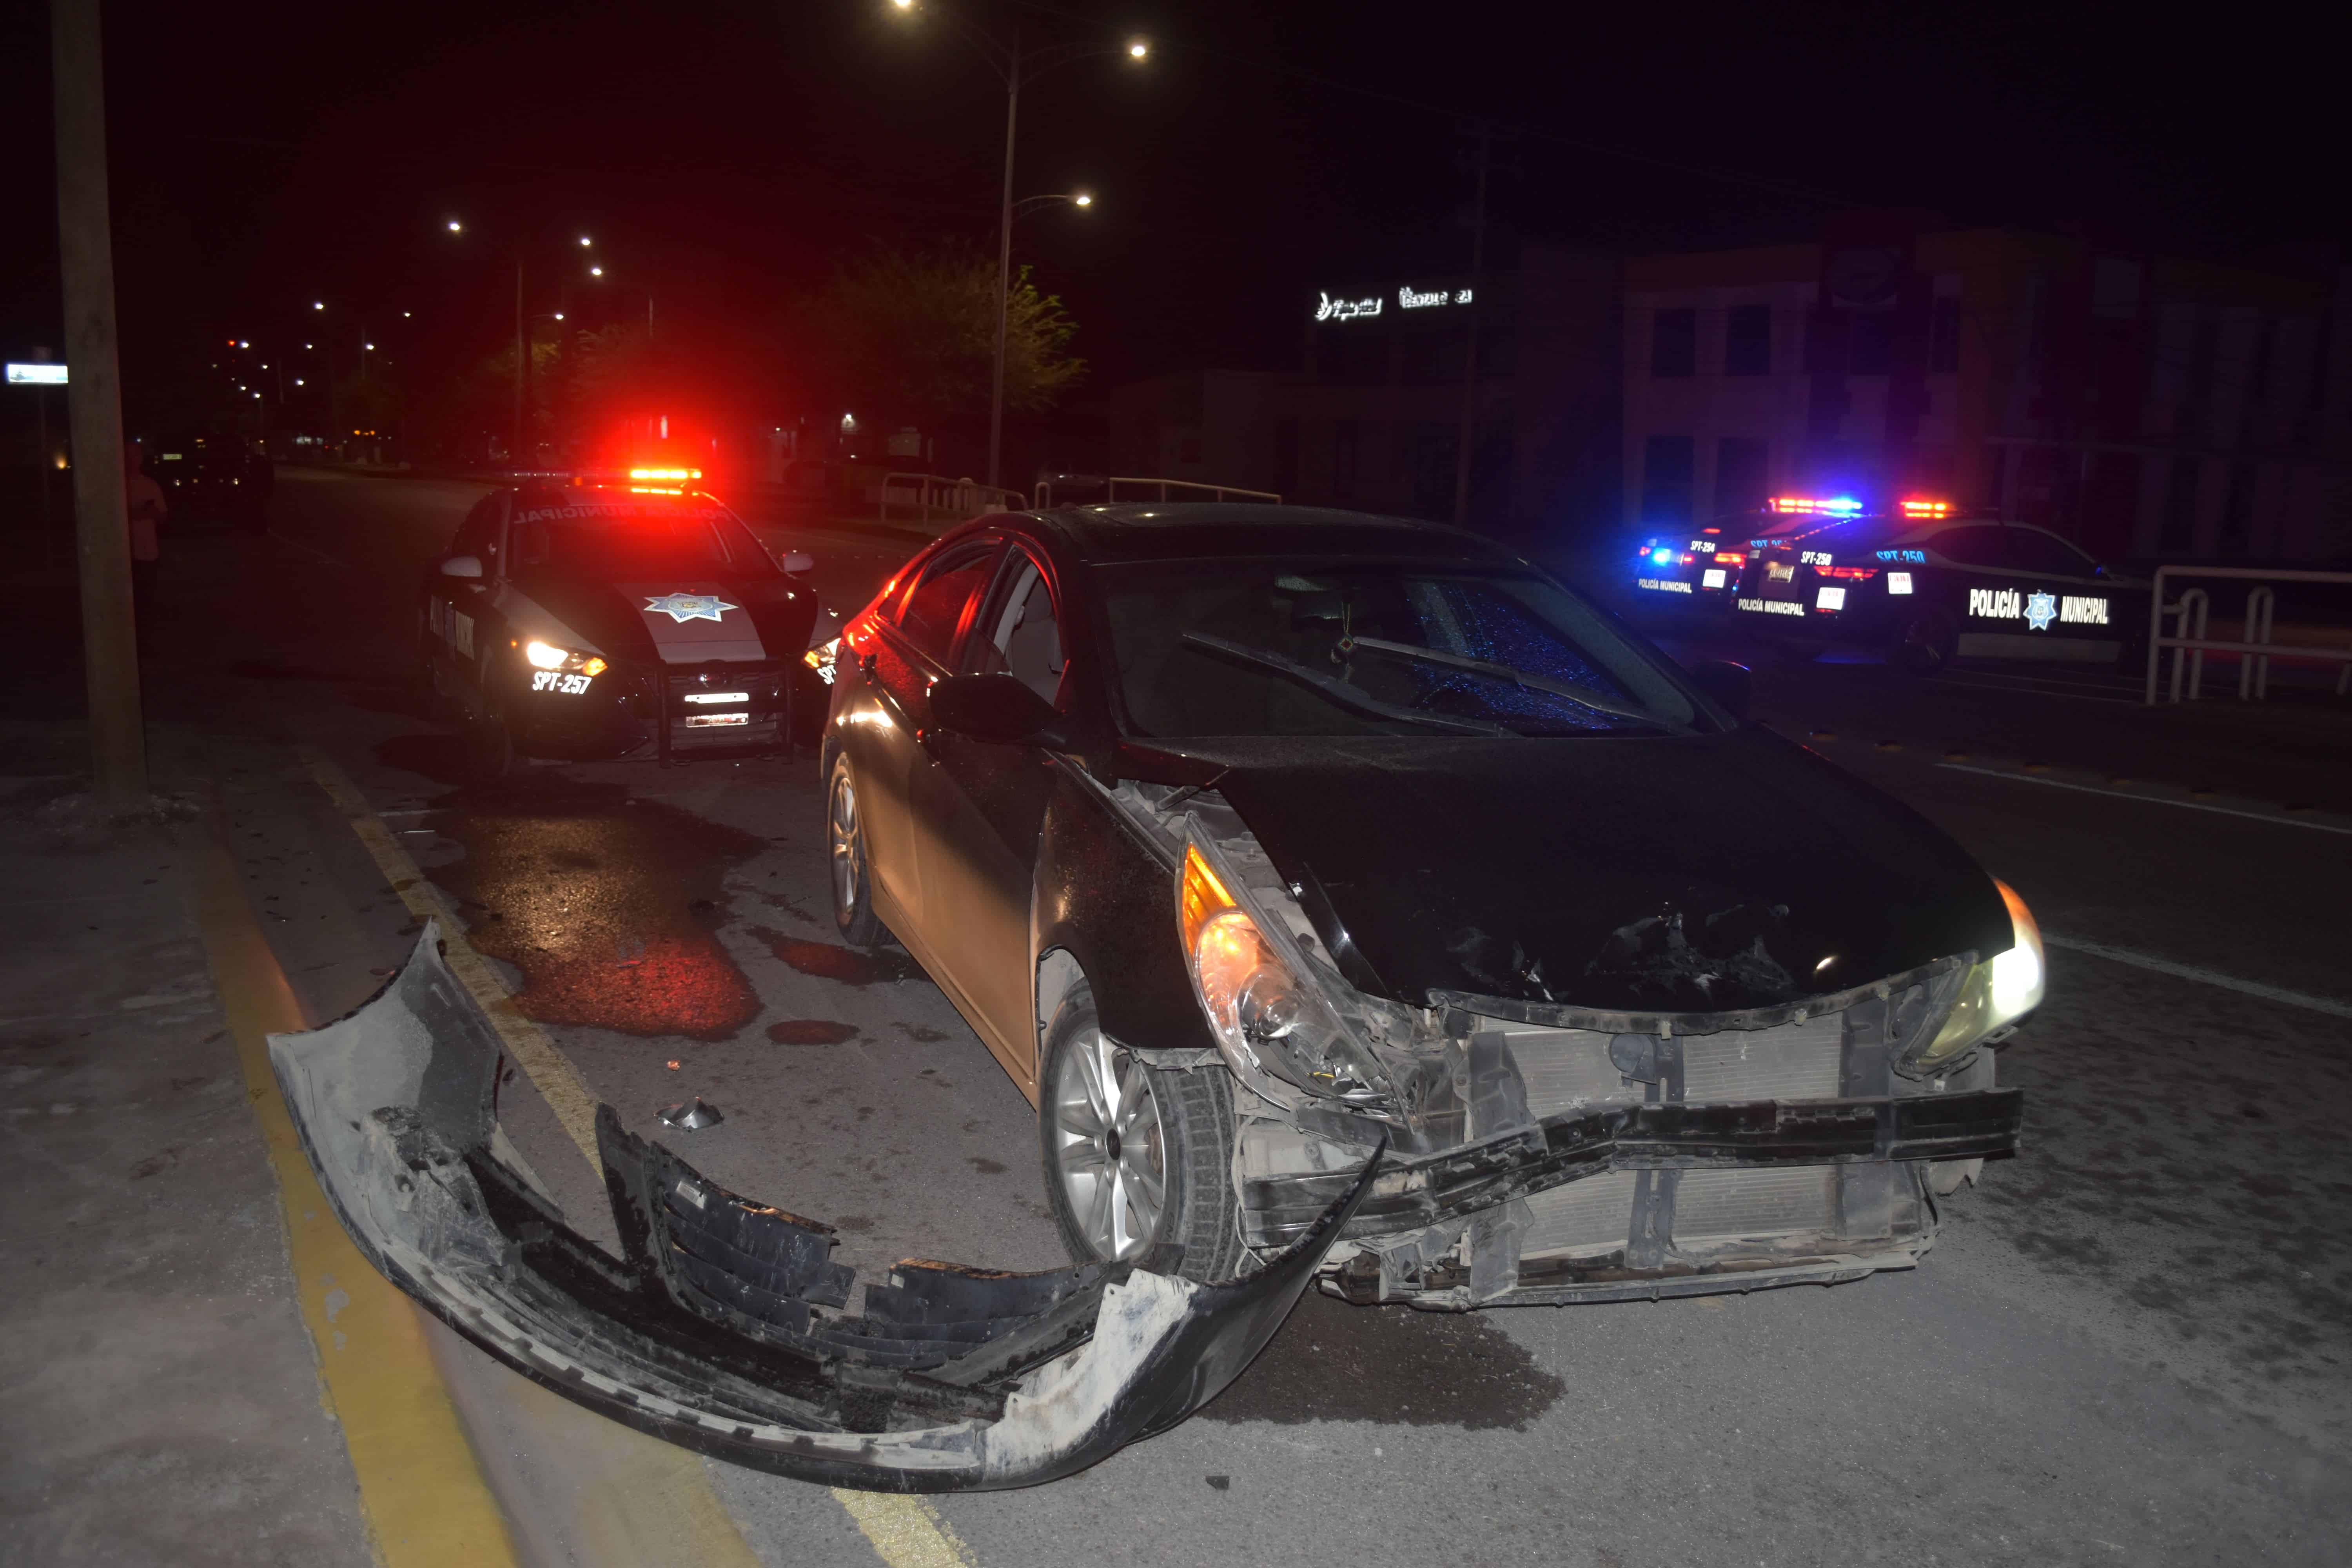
(935, 606)
(1018, 633)
(615, 540)
(1346, 649)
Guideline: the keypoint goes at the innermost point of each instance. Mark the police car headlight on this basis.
(1997, 993)
(820, 658)
(547, 656)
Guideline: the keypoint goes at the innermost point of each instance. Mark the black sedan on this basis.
(607, 621)
(211, 479)
(1256, 841)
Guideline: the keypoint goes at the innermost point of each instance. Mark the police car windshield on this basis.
(1838, 534)
(621, 541)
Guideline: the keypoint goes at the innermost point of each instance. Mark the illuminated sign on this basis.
(1663, 585)
(1332, 310)
(1773, 606)
(2040, 609)
(36, 374)
(1413, 299)
(1995, 603)
(2088, 612)
(1916, 556)
(1705, 546)
(1816, 557)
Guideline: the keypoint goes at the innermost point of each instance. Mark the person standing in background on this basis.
(146, 507)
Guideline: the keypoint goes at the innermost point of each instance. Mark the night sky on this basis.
(731, 155)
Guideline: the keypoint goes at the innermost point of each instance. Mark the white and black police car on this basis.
(619, 618)
(1923, 586)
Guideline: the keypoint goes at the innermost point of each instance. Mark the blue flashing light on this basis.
(1663, 557)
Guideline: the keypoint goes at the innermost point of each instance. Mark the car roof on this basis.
(1209, 531)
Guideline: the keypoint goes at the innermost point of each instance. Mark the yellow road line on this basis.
(904, 1532)
(422, 1492)
(551, 1073)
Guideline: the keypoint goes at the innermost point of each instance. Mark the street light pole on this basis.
(1004, 259)
(522, 366)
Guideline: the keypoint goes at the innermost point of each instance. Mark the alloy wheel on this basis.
(1109, 1147)
(848, 847)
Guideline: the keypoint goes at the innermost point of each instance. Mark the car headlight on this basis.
(547, 656)
(1996, 995)
(1273, 1025)
(820, 658)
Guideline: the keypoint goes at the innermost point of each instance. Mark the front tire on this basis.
(853, 890)
(1138, 1160)
(1927, 644)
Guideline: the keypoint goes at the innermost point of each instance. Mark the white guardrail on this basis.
(2189, 645)
(928, 493)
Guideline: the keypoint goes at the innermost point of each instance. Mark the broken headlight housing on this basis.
(1997, 993)
(1274, 1024)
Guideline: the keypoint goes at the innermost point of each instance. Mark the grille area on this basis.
(1721, 1205)
(1566, 1068)
(1793, 1061)
(1593, 1214)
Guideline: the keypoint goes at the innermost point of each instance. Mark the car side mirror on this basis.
(1730, 685)
(462, 566)
(799, 561)
(999, 708)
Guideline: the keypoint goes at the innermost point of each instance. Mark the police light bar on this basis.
(1841, 506)
(672, 474)
(1927, 508)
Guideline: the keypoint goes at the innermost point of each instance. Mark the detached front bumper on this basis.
(724, 1326)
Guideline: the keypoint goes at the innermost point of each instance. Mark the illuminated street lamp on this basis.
(1013, 68)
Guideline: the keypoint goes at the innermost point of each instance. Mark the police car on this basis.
(1923, 586)
(1701, 564)
(614, 619)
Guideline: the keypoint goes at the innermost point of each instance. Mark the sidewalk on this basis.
(162, 1396)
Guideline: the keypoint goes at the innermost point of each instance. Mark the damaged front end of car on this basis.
(724, 1325)
(1546, 1151)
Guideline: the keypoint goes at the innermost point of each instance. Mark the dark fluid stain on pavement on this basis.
(828, 960)
(811, 1032)
(1334, 1362)
(607, 905)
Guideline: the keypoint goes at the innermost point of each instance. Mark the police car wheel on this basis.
(1927, 644)
(492, 749)
(852, 880)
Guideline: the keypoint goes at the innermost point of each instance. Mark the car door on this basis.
(2085, 611)
(454, 607)
(980, 808)
(913, 642)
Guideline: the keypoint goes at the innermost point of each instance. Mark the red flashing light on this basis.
(1860, 573)
(1688, 558)
(1816, 506)
(1729, 558)
(1928, 509)
(671, 474)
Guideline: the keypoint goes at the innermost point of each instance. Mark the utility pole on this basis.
(94, 405)
(1462, 446)
(1004, 259)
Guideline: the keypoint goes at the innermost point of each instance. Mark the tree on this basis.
(912, 336)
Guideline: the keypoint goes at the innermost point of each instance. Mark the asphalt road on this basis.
(2130, 1345)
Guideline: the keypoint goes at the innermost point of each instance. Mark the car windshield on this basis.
(1356, 649)
(619, 542)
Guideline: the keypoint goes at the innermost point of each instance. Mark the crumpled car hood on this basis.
(724, 1326)
(1707, 873)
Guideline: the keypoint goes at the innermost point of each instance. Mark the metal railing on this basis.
(959, 498)
(2189, 645)
(1195, 489)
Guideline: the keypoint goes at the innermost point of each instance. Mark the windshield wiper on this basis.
(1338, 692)
(1584, 695)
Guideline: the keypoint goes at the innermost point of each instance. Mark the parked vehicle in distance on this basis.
(211, 479)
(1252, 840)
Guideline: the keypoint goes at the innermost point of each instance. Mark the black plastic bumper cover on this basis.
(723, 1326)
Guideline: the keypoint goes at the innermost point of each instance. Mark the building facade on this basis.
(2142, 406)
(1373, 418)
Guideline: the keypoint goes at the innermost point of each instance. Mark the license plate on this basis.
(1780, 571)
(712, 721)
(562, 685)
